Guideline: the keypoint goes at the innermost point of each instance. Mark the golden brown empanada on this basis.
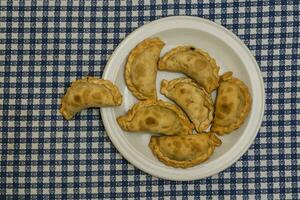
(232, 105)
(141, 68)
(193, 62)
(89, 92)
(184, 150)
(192, 98)
(156, 117)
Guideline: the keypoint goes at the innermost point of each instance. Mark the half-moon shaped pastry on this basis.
(232, 106)
(194, 63)
(156, 117)
(141, 68)
(89, 92)
(192, 98)
(185, 150)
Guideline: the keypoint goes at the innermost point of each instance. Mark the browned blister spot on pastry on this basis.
(182, 91)
(77, 98)
(226, 107)
(151, 121)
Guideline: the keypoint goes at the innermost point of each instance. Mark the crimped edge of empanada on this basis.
(123, 120)
(179, 49)
(221, 130)
(142, 46)
(153, 144)
(117, 97)
(166, 86)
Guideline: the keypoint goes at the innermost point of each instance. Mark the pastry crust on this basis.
(195, 63)
(232, 106)
(89, 92)
(141, 68)
(192, 98)
(184, 151)
(156, 117)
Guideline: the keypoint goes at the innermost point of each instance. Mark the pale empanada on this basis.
(193, 62)
(141, 68)
(192, 98)
(89, 92)
(232, 105)
(185, 150)
(156, 117)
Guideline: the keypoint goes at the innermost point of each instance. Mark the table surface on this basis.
(45, 45)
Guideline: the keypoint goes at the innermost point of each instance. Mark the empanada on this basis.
(232, 106)
(156, 117)
(192, 98)
(185, 150)
(141, 68)
(193, 62)
(89, 92)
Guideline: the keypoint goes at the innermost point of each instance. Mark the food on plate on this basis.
(193, 62)
(184, 151)
(141, 68)
(156, 117)
(174, 143)
(232, 106)
(89, 92)
(192, 98)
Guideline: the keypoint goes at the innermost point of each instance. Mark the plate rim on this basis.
(246, 146)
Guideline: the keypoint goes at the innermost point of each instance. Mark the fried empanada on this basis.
(232, 106)
(89, 92)
(194, 63)
(156, 117)
(192, 98)
(185, 150)
(141, 68)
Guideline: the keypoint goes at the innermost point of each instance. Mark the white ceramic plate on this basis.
(230, 54)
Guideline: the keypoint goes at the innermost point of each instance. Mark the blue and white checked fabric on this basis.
(45, 45)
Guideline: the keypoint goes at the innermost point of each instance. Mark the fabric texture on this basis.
(45, 45)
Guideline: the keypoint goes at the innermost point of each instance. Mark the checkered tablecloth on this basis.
(45, 45)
